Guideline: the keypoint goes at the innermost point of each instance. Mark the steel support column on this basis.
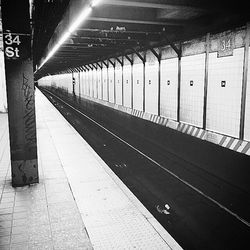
(179, 83)
(244, 83)
(206, 82)
(20, 91)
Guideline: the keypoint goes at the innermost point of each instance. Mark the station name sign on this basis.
(16, 46)
(226, 45)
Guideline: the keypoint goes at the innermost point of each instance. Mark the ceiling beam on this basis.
(143, 22)
(151, 5)
(118, 36)
(117, 31)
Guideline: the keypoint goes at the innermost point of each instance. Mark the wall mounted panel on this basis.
(151, 87)
(105, 83)
(118, 84)
(224, 92)
(127, 83)
(138, 86)
(99, 83)
(192, 89)
(111, 83)
(94, 77)
(169, 88)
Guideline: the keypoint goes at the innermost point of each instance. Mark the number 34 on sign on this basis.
(15, 45)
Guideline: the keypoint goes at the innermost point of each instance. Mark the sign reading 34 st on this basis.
(16, 46)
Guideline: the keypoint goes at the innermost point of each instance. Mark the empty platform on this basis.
(79, 202)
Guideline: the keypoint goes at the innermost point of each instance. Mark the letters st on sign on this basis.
(16, 46)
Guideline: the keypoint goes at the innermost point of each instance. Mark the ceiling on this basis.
(119, 27)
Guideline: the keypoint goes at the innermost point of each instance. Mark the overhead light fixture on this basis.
(95, 3)
(83, 15)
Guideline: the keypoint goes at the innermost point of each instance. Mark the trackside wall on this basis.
(205, 92)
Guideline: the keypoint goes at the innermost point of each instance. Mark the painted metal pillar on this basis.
(204, 126)
(144, 85)
(244, 83)
(20, 91)
(179, 84)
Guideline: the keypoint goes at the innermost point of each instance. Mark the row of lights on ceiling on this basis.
(82, 16)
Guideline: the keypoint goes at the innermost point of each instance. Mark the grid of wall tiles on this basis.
(169, 88)
(3, 98)
(77, 83)
(65, 81)
(151, 87)
(111, 83)
(127, 75)
(118, 85)
(94, 83)
(91, 85)
(192, 89)
(138, 86)
(224, 92)
(99, 83)
(82, 82)
(105, 83)
(247, 114)
(87, 82)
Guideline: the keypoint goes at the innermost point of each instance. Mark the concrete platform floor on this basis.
(79, 202)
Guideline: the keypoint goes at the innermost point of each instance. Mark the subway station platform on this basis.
(79, 202)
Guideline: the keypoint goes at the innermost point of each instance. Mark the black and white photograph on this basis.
(124, 124)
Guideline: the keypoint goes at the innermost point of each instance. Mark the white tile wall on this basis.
(169, 88)
(118, 84)
(151, 87)
(91, 87)
(77, 81)
(99, 83)
(105, 83)
(94, 83)
(45, 81)
(3, 95)
(87, 82)
(247, 113)
(64, 81)
(127, 76)
(138, 86)
(224, 103)
(192, 97)
(111, 79)
(82, 75)
(84, 82)
(68, 81)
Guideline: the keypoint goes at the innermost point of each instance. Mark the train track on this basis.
(197, 220)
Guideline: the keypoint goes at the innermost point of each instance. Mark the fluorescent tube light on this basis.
(83, 15)
(96, 2)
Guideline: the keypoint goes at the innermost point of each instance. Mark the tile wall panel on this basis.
(192, 89)
(87, 82)
(84, 84)
(105, 83)
(224, 103)
(94, 83)
(127, 84)
(151, 87)
(169, 88)
(99, 83)
(138, 86)
(111, 85)
(118, 85)
(91, 88)
(3, 95)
